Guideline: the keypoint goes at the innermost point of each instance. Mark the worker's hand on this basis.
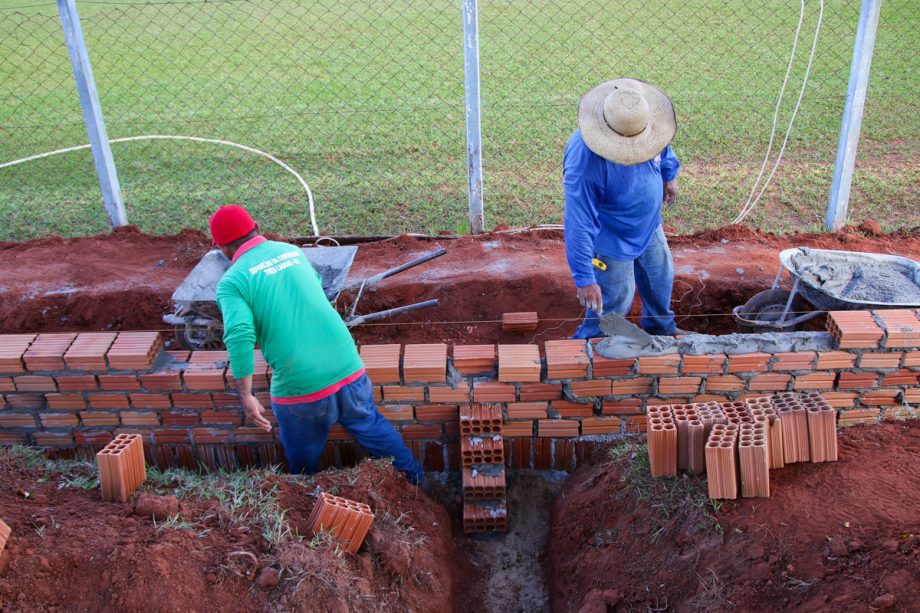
(590, 296)
(255, 412)
(670, 191)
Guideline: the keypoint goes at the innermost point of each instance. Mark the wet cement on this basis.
(626, 340)
(858, 277)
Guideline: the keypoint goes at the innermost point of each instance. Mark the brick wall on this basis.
(72, 393)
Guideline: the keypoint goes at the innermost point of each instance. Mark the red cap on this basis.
(230, 223)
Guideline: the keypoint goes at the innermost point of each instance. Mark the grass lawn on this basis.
(365, 99)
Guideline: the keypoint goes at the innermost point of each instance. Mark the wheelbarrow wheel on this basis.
(198, 338)
(762, 312)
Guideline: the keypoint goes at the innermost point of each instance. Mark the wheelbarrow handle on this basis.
(419, 260)
(361, 319)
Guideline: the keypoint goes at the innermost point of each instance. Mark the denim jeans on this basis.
(652, 272)
(304, 428)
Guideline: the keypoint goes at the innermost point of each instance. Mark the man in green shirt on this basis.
(271, 294)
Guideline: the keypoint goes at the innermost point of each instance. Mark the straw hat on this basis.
(626, 121)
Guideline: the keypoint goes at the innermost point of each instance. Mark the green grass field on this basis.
(365, 99)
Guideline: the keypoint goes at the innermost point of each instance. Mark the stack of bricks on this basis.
(662, 442)
(348, 521)
(519, 323)
(72, 393)
(5, 532)
(748, 440)
(482, 454)
(121, 467)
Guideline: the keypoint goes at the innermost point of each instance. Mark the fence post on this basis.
(473, 132)
(92, 113)
(852, 114)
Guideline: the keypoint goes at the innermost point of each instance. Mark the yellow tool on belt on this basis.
(599, 264)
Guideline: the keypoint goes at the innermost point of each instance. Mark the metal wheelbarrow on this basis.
(830, 280)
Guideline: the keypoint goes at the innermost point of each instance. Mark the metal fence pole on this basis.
(473, 132)
(92, 113)
(852, 114)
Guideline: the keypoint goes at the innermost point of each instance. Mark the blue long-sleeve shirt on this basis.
(610, 209)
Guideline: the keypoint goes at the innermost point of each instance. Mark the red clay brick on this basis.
(139, 418)
(629, 406)
(794, 360)
(527, 410)
(572, 409)
(629, 387)
(119, 383)
(815, 381)
(566, 359)
(249, 434)
(517, 429)
(425, 363)
(912, 396)
(902, 377)
(77, 383)
(92, 437)
(541, 391)
(210, 436)
(88, 351)
(635, 423)
(748, 362)
(600, 425)
(108, 401)
(854, 329)
(880, 360)
(436, 412)
(221, 417)
(774, 382)
(834, 360)
(17, 420)
(59, 420)
(421, 432)
(902, 327)
(912, 359)
(493, 391)
(14, 438)
(47, 351)
(65, 401)
(192, 401)
(397, 412)
(557, 428)
(180, 418)
(606, 367)
(679, 385)
(174, 436)
(53, 439)
(857, 380)
(25, 401)
(381, 362)
(151, 401)
(12, 347)
(461, 393)
(839, 400)
(880, 398)
(724, 383)
(100, 418)
(592, 388)
(7, 385)
(519, 363)
(225, 400)
(704, 364)
(134, 350)
(709, 398)
(34, 383)
(519, 323)
(474, 359)
(394, 393)
(659, 364)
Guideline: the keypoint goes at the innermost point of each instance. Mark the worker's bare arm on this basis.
(251, 405)
(590, 296)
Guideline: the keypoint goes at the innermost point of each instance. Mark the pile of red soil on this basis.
(70, 550)
(832, 536)
(124, 280)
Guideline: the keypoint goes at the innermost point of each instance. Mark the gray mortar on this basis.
(626, 340)
(860, 277)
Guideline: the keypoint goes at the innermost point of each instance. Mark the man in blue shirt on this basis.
(618, 168)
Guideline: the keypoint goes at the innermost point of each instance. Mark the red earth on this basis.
(69, 550)
(832, 536)
(124, 280)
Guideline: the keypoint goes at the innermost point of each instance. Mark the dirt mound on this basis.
(831, 536)
(124, 280)
(239, 543)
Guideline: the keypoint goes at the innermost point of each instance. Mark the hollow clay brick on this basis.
(902, 327)
(880, 398)
(704, 364)
(425, 363)
(484, 517)
(65, 401)
(854, 329)
(857, 380)
(134, 350)
(794, 360)
(814, 381)
(566, 359)
(5, 532)
(515, 429)
(659, 364)
(12, 348)
(119, 383)
(600, 425)
(192, 401)
(484, 482)
(630, 387)
(566, 408)
(774, 382)
(552, 428)
(34, 383)
(474, 359)
(589, 389)
(835, 360)
(151, 401)
(519, 323)
(140, 418)
(87, 352)
(481, 450)
(47, 351)
(59, 420)
(519, 363)
(541, 391)
(902, 377)
(721, 464)
(679, 385)
(436, 412)
(607, 367)
(822, 428)
(748, 362)
(628, 406)
(880, 360)
(794, 418)
(662, 443)
(396, 393)
(460, 393)
(108, 401)
(859, 416)
(753, 460)
(493, 391)
(724, 383)
(527, 410)
(635, 423)
(121, 467)
(348, 521)
(77, 383)
(381, 362)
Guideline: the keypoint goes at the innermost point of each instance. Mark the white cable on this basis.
(814, 45)
(196, 139)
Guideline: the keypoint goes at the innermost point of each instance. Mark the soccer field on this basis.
(365, 99)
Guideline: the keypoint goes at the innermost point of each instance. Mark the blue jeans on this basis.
(304, 428)
(653, 273)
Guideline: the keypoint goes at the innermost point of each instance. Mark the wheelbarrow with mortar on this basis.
(830, 280)
(197, 319)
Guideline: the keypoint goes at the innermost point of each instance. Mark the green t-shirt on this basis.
(271, 294)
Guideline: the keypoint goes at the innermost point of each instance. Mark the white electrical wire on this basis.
(750, 205)
(196, 139)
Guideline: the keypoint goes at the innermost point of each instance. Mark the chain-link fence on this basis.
(366, 100)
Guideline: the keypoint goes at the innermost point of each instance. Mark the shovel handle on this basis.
(419, 260)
